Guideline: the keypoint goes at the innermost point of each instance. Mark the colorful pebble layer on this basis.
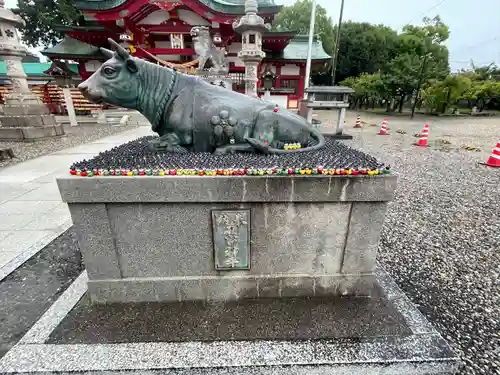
(136, 159)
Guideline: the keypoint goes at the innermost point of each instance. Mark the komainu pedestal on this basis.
(26, 118)
(220, 79)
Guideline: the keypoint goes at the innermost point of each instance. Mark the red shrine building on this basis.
(159, 30)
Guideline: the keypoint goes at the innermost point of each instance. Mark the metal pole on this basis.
(420, 79)
(337, 42)
(309, 47)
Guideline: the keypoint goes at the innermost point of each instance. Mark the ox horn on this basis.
(107, 52)
(120, 51)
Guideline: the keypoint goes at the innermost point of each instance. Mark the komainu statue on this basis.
(191, 115)
(209, 56)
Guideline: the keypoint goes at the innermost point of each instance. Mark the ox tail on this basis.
(315, 134)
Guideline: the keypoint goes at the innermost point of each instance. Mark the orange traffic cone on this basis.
(358, 122)
(387, 124)
(494, 159)
(422, 142)
(425, 130)
(383, 128)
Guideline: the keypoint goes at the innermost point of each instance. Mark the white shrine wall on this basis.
(92, 65)
(191, 18)
(155, 18)
(290, 70)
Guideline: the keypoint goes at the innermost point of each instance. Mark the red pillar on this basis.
(83, 71)
(302, 72)
(278, 75)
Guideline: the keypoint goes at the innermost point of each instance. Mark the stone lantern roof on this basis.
(7, 16)
(251, 20)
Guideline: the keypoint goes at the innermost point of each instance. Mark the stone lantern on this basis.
(25, 117)
(251, 27)
(64, 79)
(333, 98)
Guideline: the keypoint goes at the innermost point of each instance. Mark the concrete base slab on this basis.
(24, 104)
(30, 133)
(27, 121)
(398, 340)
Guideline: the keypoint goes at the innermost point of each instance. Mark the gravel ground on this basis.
(446, 133)
(76, 135)
(441, 239)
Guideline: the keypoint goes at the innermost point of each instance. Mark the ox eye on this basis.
(109, 71)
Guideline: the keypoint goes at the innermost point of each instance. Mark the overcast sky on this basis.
(474, 25)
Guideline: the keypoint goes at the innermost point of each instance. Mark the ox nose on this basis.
(83, 87)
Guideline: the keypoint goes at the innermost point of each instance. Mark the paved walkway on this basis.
(31, 211)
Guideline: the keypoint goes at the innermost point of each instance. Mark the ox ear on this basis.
(120, 51)
(106, 52)
(131, 65)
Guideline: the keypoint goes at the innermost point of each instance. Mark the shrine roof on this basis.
(36, 69)
(223, 6)
(70, 47)
(297, 49)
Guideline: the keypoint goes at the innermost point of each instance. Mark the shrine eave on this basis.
(71, 48)
(65, 29)
(278, 35)
(297, 48)
(127, 7)
(60, 68)
(36, 69)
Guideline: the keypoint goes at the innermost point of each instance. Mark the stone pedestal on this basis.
(24, 116)
(150, 238)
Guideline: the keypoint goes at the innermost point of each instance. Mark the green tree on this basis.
(484, 73)
(419, 54)
(441, 94)
(297, 18)
(482, 93)
(42, 17)
(364, 48)
(368, 89)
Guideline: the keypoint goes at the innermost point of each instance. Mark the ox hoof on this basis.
(224, 150)
(177, 149)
